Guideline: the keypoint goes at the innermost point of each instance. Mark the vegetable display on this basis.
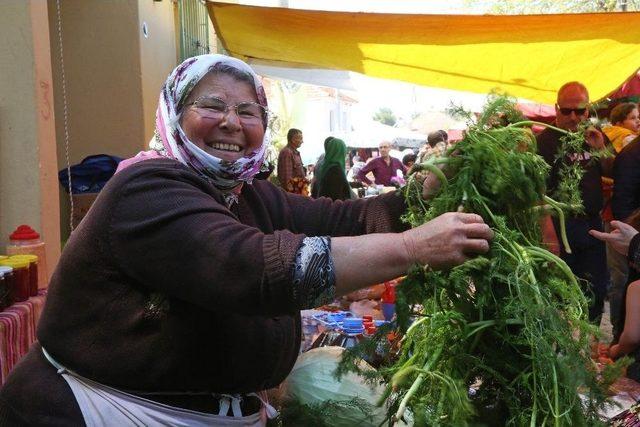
(502, 339)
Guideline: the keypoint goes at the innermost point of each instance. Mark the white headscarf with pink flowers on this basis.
(171, 141)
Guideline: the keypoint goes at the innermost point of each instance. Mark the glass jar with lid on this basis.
(6, 283)
(20, 289)
(33, 272)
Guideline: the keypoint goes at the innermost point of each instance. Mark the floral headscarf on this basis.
(171, 141)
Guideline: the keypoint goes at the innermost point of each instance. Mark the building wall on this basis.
(113, 75)
(158, 55)
(101, 51)
(28, 181)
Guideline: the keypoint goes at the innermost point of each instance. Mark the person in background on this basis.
(357, 165)
(291, 172)
(624, 201)
(314, 182)
(269, 163)
(625, 125)
(383, 167)
(588, 257)
(625, 240)
(437, 144)
(177, 300)
(331, 177)
(408, 160)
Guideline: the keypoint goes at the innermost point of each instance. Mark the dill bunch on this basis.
(502, 339)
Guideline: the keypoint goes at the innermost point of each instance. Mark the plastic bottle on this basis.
(389, 300)
(26, 241)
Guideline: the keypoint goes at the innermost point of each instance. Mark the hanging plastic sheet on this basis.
(528, 56)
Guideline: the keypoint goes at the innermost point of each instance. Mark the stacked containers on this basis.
(25, 240)
(19, 289)
(6, 284)
(33, 272)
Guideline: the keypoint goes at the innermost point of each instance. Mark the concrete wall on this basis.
(113, 76)
(28, 181)
(158, 54)
(101, 52)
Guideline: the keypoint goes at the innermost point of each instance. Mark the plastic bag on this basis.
(311, 381)
(90, 175)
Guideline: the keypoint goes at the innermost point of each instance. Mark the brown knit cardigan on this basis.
(163, 288)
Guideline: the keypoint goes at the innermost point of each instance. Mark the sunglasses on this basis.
(567, 111)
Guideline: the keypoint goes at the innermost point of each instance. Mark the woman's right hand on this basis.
(448, 240)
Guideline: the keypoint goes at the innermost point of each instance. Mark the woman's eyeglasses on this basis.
(567, 111)
(250, 113)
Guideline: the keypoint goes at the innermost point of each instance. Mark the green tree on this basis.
(386, 116)
(522, 7)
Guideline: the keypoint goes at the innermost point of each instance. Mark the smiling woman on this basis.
(225, 123)
(178, 296)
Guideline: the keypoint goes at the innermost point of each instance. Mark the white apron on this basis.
(104, 406)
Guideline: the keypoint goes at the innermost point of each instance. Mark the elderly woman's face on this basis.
(228, 137)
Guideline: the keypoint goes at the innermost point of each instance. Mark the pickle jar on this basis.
(6, 282)
(33, 271)
(20, 289)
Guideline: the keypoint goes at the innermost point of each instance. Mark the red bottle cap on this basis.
(24, 232)
(367, 317)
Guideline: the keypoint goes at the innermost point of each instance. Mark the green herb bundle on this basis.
(502, 339)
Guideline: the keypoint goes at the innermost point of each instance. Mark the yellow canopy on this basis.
(528, 56)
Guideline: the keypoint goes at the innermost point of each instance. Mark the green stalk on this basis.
(414, 324)
(533, 122)
(416, 384)
(556, 411)
(437, 172)
(534, 410)
(548, 256)
(561, 220)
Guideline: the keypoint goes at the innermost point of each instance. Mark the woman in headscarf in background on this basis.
(332, 178)
(176, 300)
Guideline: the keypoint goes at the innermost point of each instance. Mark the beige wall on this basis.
(113, 76)
(28, 181)
(158, 55)
(102, 73)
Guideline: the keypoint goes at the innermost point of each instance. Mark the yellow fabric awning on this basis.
(528, 56)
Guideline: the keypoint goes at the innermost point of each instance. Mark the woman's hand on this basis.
(448, 240)
(619, 238)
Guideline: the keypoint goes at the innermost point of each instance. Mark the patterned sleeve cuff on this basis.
(314, 278)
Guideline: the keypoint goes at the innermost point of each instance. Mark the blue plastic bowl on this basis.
(352, 323)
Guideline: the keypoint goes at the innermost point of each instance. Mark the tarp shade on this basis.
(528, 56)
(630, 88)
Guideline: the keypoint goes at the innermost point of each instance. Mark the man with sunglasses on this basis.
(587, 259)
